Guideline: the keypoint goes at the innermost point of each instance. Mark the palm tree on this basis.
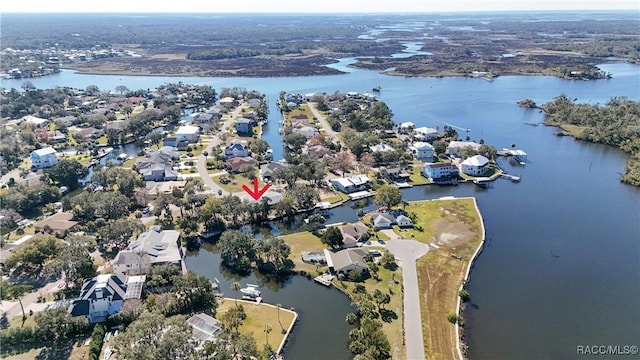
(278, 306)
(15, 292)
(404, 204)
(267, 330)
(235, 287)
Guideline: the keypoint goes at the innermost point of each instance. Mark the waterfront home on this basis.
(343, 261)
(425, 133)
(228, 102)
(404, 221)
(383, 220)
(44, 158)
(318, 152)
(57, 223)
(50, 137)
(205, 328)
(381, 148)
(306, 131)
(241, 164)
(188, 134)
(422, 151)
(100, 297)
(152, 248)
(86, 133)
(435, 171)
(406, 127)
(245, 126)
(394, 173)
(254, 103)
(455, 147)
(352, 184)
(236, 149)
(38, 122)
(270, 170)
(352, 234)
(156, 166)
(475, 166)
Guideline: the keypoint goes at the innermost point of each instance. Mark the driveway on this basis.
(323, 121)
(408, 251)
(12, 308)
(202, 160)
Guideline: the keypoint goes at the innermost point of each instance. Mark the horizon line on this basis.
(407, 12)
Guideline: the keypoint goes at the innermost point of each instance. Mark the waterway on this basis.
(562, 263)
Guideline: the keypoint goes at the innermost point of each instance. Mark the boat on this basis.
(122, 157)
(93, 162)
(377, 89)
(251, 291)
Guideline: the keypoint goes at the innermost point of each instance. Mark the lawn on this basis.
(416, 177)
(102, 140)
(388, 282)
(339, 196)
(454, 226)
(303, 241)
(29, 230)
(236, 183)
(258, 315)
(84, 159)
(129, 163)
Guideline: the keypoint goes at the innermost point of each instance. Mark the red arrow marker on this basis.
(255, 193)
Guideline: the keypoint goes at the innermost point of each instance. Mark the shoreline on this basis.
(460, 343)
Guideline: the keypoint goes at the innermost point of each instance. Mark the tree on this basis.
(67, 172)
(237, 250)
(73, 260)
(193, 293)
(29, 259)
(152, 336)
(122, 89)
(343, 161)
(126, 180)
(332, 237)
(440, 146)
(388, 195)
(57, 323)
(258, 148)
(294, 142)
(10, 291)
(127, 109)
(267, 330)
(381, 298)
(366, 162)
(91, 90)
(116, 233)
(233, 318)
(235, 287)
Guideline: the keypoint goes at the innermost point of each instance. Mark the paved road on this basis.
(408, 251)
(12, 308)
(323, 121)
(202, 160)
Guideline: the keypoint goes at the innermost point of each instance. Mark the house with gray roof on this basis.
(343, 261)
(157, 166)
(268, 171)
(352, 233)
(100, 297)
(154, 247)
(245, 126)
(236, 149)
(383, 220)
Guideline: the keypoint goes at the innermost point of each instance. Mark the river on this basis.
(562, 263)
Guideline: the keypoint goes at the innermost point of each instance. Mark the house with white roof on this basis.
(422, 151)
(100, 297)
(306, 131)
(38, 122)
(381, 148)
(352, 184)
(475, 166)
(425, 133)
(44, 158)
(436, 171)
(406, 127)
(188, 133)
(455, 147)
(154, 247)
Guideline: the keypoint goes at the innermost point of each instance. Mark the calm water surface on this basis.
(562, 264)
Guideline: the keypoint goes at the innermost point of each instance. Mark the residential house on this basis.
(152, 248)
(394, 173)
(455, 147)
(268, 171)
(352, 234)
(57, 223)
(156, 166)
(254, 103)
(352, 184)
(406, 127)
(44, 158)
(38, 122)
(425, 133)
(404, 221)
(86, 133)
(306, 131)
(343, 261)
(241, 164)
(205, 328)
(245, 126)
(319, 152)
(100, 297)
(50, 137)
(383, 220)
(188, 133)
(228, 102)
(475, 166)
(422, 151)
(381, 148)
(236, 149)
(435, 171)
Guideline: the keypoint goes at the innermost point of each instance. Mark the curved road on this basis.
(408, 251)
(215, 141)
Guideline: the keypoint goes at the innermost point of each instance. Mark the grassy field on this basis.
(303, 241)
(84, 159)
(339, 196)
(388, 282)
(454, 226)
(416, 177)
(258, 315)
(129, 163)
(236, 183)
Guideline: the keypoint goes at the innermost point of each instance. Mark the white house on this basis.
(100, 297)
(188, 133)
(154, 247)
(306, 131)
(475, 165)
(38, 122)
(352, 184)
(44, 158)
(425, 133)
(381, 148)
(439, 170)
(406, 127)
(237, 149)
(422, 150)
(455, 147)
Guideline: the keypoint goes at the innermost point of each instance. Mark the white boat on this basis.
(251, 290)
(122, 157)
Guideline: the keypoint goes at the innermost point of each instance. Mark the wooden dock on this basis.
(324, 279)
(510, 177)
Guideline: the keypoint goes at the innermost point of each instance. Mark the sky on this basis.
(309, 6)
